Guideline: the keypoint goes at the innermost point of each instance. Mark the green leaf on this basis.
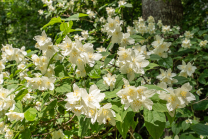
(181, 80)
(170, 118)
(83, 126)
(18, 107)
(104, 53)
(159, 107)
(185, 136)
(53, 21)
(200, 129)
(201, 32)
(66, 27)
(75, 17)
(185, 126)
(137, 38)
(25, 134)
(108, 59)
(153, 87)
(101, 85)
(154, 57)
(166, 62)
(176, 128)
(128, 122)
(30, 114)
(202, 78)
(111, 94)
(155, 131)
(153, 116)
(151, 66)
(12, 86)
(32, 52)
(110, 46)
(60, 71)
(21, 94)
(203, 105)
(95, 73)
(51, 108)
(119, 81)
(88, 68)
(128, 5)
(154, 122)
(63, 88)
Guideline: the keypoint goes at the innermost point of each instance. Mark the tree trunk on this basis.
(169, 11)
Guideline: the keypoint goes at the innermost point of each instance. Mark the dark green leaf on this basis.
(108, 59)
(200, 129)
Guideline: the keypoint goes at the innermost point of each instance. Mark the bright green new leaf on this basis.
(30, 114)
(53, 21)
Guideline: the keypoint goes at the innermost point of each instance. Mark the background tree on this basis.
(169, 11)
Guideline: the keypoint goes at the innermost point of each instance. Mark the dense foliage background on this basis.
(21, 21)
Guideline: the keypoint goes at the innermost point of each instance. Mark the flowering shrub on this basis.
(66, 88)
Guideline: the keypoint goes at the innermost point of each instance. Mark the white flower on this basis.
(110, 11)
(126, 40)
(116, 35)
(93, 98)
(80, 73)
(9, 134)
(91, 14)
(167, 77)
(188, 121)
(105, 115)
(201, 137)
(121, 3)
(188, 34)
(173, 100)
(1, 78)
(2, 125)
(66, 46)
(203, 43)
(51, 8)
(110, 80)
(28, 97)
(40, 12)
(101, 49)
(42, 41)
(184, 93)
(143, 101)
(186, 43)
(159, 23)
(85, 34)
(198, 92)
(12, 116)
(166, 29)
(190, 69)
(150, 19)
(58, 134)
(38, 105)
(6, 100)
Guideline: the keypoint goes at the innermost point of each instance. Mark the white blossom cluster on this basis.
(177, 98)
(109, 80)
(161, 47)
(80, 102)
(79, 54)
(41, 83)
(136, 97)
(186, 69)
(186, 43)
(7, 106)
(130, 62)
(167, 77)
